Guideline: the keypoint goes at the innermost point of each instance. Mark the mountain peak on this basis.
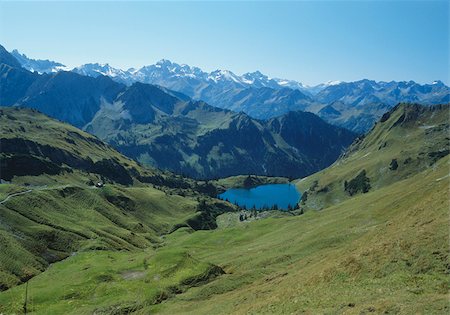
(164, 62)
(331, 83)
(39, 65)
(8, 59)
(224, 75)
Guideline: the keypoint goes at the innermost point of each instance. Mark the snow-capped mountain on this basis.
(97, 69)
(368, 91)
(164, 72)
(354, 105)
(38, 65)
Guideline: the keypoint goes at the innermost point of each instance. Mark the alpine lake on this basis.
(271, 196)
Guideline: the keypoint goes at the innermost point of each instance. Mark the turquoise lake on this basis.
(264, 196)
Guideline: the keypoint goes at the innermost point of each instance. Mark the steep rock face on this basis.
(313, 136)
(142, 101)
(23, 157)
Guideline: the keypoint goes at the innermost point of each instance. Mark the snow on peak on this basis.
(330, 83)
(164, 62)
(223, 75)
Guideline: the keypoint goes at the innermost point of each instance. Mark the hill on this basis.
(51, 207)
(407, 139)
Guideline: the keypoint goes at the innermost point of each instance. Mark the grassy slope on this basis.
(412, 135)
(238, 181)
(109, 282)
(62, 213)
(31, 125)
(385, 251)
(46, 225)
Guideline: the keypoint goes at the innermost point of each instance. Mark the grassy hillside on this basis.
(383, 251)
(50, 208)
(33, 144)
(408, 139)
(247, 181)
(108, 282)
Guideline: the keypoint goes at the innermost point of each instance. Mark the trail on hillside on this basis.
(15, 194)
(30, 190)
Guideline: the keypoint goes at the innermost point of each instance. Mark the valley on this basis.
(149, 248)
(293, 160)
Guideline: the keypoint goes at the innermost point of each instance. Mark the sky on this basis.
(308, 41)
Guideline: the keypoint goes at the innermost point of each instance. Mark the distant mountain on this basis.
(38, 65)
(67, 96)
(264, 102)
(96, 69)
(14, 80)
(8, 59)
(168, 130)
(360, 103)
(365, 92)
(167, 73)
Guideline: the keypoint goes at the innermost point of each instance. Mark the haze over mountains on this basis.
(167, 129)
(353, 105)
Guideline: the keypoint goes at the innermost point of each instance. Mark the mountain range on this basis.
(169, 130)
(352, 105)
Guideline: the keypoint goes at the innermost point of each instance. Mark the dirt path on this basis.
(30, 190)
(15, 194)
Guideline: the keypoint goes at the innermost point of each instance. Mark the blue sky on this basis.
(311, 42)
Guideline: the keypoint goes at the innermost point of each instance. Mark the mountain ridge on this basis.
(263, 97)
(168, 130)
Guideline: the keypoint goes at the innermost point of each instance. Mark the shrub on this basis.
(394, 165)
(304, 197)
(314, 185)
(361, 183)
